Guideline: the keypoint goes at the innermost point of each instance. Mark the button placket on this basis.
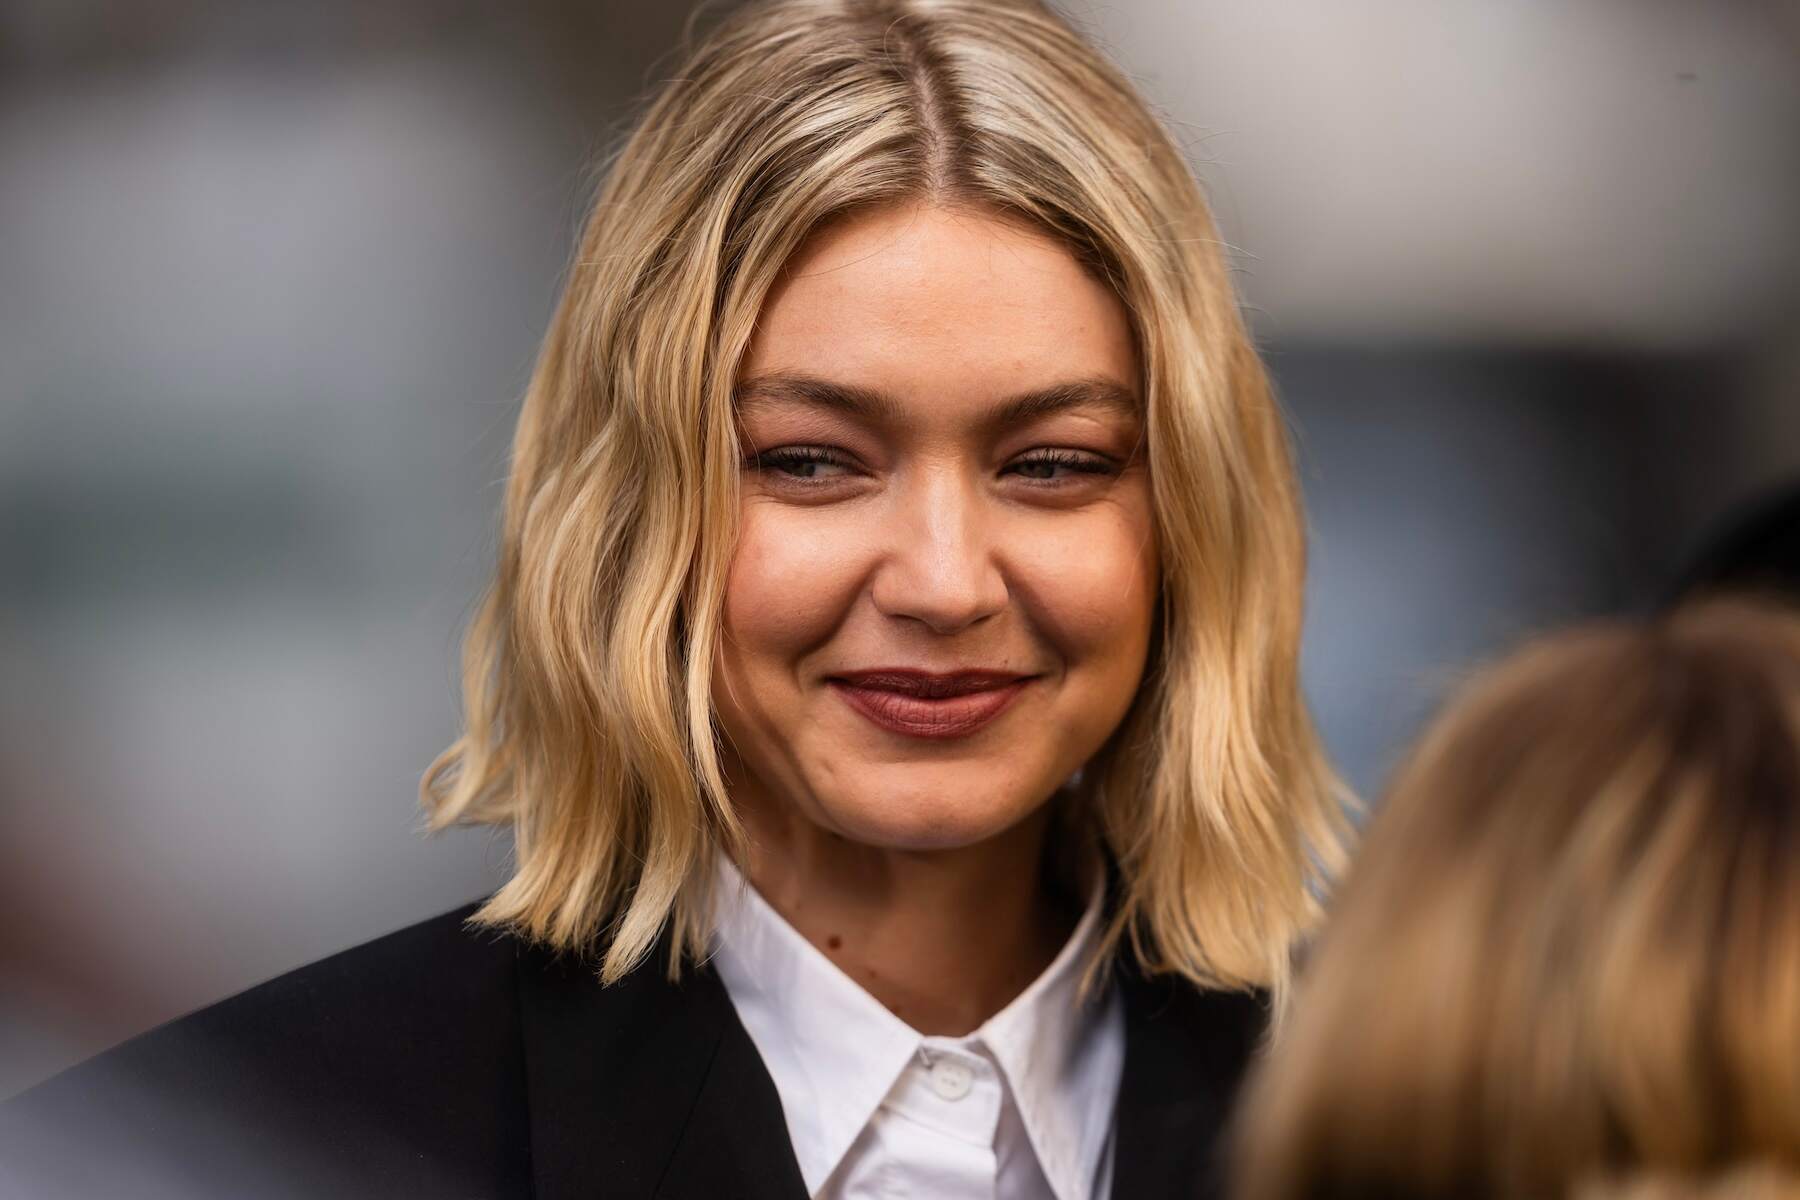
(951, 1091)
(950, 1078)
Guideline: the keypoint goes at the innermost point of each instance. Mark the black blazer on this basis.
(447, 1063)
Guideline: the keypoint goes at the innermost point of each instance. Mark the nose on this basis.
(939, 564)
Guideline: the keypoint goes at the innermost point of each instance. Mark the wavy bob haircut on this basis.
(590, 727)
(1567, 961)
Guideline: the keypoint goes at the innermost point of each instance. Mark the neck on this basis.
(944, 939)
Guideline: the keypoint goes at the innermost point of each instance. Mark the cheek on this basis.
(1088, 584)
(793, 576)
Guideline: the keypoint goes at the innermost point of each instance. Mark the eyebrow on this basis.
(877, 407)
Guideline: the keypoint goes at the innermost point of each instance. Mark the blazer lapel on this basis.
(1186, 1050)
(646, 1090)
(735, 1145)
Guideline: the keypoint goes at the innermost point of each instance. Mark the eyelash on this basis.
(788, 456)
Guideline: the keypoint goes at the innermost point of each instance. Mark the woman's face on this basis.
(941, 600)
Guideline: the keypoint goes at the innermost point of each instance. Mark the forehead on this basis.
(932, 304)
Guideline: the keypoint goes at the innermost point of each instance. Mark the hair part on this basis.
(589, 722)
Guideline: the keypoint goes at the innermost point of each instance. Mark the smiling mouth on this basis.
(922, 704)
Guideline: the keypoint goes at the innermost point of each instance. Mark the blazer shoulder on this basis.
(388, 1057)
(387, 997)
(411, 979)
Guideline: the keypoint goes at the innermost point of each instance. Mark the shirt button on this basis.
(950, 1079)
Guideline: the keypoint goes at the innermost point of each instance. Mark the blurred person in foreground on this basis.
(1756, 550)
(1567, 961)
(890, 681)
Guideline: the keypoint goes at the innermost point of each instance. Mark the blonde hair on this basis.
(1569, 954)
(589, 720)
(1757, 1181)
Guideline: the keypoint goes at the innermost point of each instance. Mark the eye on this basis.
(799, 464)
(1058, 467)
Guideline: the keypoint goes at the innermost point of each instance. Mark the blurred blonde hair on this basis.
(1569, 952)
(1754, 1182)
(589, 721)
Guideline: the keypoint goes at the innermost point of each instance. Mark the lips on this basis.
(925, 704)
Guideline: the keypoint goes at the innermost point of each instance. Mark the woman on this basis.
(1567, 962)
(889, 678)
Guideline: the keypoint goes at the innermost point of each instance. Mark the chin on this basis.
(946, 816)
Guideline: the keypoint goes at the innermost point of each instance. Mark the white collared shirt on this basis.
(1020, 1109)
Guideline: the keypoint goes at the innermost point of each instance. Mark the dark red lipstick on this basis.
(926, 704)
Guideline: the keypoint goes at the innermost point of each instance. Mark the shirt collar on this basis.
(1062, 1061)
(835, 1055)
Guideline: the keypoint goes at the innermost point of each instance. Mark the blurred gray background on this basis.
(272, 277)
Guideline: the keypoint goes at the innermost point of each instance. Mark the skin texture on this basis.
(930, 535)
